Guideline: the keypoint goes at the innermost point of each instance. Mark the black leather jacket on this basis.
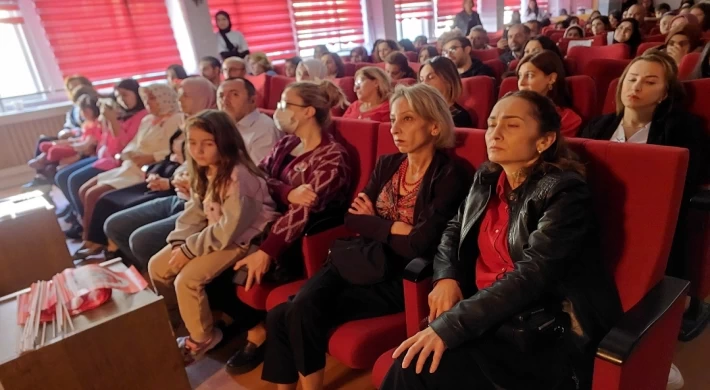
(552, 241)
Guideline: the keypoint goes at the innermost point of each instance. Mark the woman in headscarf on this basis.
(149, 146)
(229, 43)
(311, 70)
(121, 119)
(195, 94)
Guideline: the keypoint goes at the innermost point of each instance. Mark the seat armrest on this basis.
(323, 223)
(418, 270)
(619, 344)
(701, 201)
(315, 247)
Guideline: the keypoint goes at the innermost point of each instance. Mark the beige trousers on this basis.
(185, 288)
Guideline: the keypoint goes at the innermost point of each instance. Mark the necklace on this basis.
(407, 188)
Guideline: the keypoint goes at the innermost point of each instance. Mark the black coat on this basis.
(478, 68)
(442, 190)
(553, 242)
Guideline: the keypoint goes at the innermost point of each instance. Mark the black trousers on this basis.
(298, 330)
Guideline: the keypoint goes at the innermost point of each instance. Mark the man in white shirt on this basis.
(237, 97)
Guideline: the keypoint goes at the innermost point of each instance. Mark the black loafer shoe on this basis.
(245, 359)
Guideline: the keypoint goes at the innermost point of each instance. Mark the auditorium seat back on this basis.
(280, 69)
(415, 66)
(277, 86)
(582, 56)
(478, 98)
(405, 82)
(486, 54)
(687, 65)
(646, 46)
(603, 71)
(360, 139)
(262, 84)
(697, 97)
(596, 40)
(633, 205)
(347, 85)
(497, 66)
(412, 56)
(350, 68)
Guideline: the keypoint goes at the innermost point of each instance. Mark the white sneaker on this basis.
(675, 379)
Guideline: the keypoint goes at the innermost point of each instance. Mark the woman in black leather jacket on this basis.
(524, 239)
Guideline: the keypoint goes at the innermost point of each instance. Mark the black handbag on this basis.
(358, 260)
(532, 328)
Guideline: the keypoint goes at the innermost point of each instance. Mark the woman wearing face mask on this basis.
(523, 242)
(544, 73)
(681, 41)
(309, 174)
(629, 34)
(649, 110)
(373, 88)
(229, 43)
(441, 73)
(122, 119)
(403, 211)
(311, 70)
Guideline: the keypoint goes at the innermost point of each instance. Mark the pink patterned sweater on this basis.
(326, 168)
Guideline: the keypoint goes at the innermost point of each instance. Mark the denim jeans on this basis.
(72, 177)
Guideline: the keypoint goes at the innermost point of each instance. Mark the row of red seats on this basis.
(627, 180)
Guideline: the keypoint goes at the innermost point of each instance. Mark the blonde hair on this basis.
(322, 95)
(674, 89)
(261, 59)
(429, 104)
(384, 83)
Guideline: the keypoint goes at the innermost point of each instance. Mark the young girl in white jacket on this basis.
(229, 208)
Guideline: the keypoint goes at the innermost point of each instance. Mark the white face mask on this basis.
(284, 121)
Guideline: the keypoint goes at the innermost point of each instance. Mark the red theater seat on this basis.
(582, 56)
(687, 65)
(347, 85)
(610, 100)
(280, 69)
(350, 68)
(637, 352)
(277, 86)
(412, 56)
(646, 46)
(660, 38)
(597, 40)
(262, 83)
(405, 82)
(603, 71)
(415, 66)
(497, 66)
(513, 65)
(486, 54)
(478, 98)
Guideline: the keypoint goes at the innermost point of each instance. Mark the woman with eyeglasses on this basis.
(309, 175)
(373, 88)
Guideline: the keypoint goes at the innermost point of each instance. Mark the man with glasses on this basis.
(234, 67)
(458, 50)
(237, 97)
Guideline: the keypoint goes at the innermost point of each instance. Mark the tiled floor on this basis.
(691, 358)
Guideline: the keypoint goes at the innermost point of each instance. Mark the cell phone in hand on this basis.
(240, 277)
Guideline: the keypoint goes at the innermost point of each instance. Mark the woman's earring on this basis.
(550, 86)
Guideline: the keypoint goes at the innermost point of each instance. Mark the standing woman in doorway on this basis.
(229, 43)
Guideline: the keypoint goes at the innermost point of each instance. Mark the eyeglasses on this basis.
(452, 49)
(283, 104)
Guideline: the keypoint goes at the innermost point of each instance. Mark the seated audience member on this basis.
(562, 25)
(700, 11)
(375, 56)
(150, 145)
(445, 37)
(458, 50)
(311, 70)
(467, 18)
(229, 43)
(237, 97)
(309, 175)
(69, 151)
(572, 21)
(637, 12)
(681, 41)
(683, 19)
(662, 9)
(122, 125)
(563, 12)
(441, 73)
(594, 14)
(359, 54)
(427, 52)
(175, 74)
(333, 65)
(210, 69)
(629, 34)
(540, 43)
(291, 66)
(544, 73)
(403, 210)
(702, 69)
(600, 25)
(614, 19)
(665, 23)
(406, 45)
(533, 188)
(397, 67)
(373, 88)
(233, 67)
(649, 110)
(319, 51)
(534, 26)
(574, 32)
(195, 94)
(259, 63)
(385, 47)
(648, 8)
(518, 34)
(479, 38)
(420, 42)
(229, 209)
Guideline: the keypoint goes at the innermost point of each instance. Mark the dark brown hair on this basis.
(401, 61)
(339, 66)
(548, 63)
(232, 152)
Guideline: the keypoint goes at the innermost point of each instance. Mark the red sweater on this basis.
(380, 113)
(570, 122)
(326, 168)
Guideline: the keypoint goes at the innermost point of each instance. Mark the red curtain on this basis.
(414, 9)
(266, 25)
(10, 12)
(328, 22)
(109, 39)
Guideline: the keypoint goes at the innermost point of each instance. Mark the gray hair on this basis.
(428, 103)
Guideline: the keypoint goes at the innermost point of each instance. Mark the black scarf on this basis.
(223, 33)
(133, 86)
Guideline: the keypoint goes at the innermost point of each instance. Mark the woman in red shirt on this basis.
(373, 88)
(544, 73)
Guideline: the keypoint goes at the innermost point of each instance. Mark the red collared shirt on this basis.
(494, 258)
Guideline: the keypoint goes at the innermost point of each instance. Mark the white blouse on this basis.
(236, 38)
(641, 136)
